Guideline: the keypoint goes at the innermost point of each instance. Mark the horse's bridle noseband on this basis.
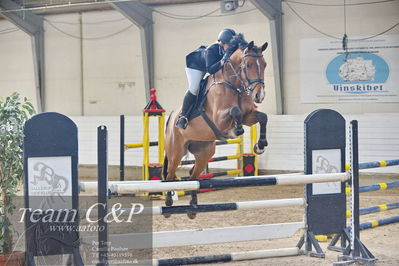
(250, 88)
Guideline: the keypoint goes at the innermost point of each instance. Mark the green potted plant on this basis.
(14, 111)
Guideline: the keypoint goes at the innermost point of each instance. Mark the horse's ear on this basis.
(250, 45)
(264, 46)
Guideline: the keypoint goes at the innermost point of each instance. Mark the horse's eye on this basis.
(248, 65)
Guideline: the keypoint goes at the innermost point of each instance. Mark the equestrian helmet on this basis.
(226, 35)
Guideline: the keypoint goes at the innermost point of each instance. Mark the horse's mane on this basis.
(238, 41)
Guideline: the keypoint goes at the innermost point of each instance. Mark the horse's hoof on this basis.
(263, 143)
(168, 202)
(191, 215)
(167, 215)
(194, 201)
(258, 150)
(169, 199)
(194, 198)
(239, 131)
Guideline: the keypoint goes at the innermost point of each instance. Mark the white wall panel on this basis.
(17, 72)
(285, 150)
(112, 65)
(63, 64)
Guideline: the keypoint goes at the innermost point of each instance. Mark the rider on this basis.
(203, 60)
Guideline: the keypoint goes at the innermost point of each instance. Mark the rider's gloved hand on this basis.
(227, 55)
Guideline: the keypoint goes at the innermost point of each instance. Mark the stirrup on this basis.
(182, 122)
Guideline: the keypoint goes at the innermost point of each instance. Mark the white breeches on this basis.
(194, 78)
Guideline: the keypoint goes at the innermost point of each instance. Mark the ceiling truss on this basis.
(272, 9)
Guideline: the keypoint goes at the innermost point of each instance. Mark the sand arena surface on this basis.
(382, 241)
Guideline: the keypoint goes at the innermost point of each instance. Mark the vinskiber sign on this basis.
(366, 73)
(357, 72)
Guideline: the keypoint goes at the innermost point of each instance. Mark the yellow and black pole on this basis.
(250, 160)
(146, 146)
(150, 171)
(153, 171)
(161, 137)
(253, 141)
(240, 152)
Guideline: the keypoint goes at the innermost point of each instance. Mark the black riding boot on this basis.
(188, 102)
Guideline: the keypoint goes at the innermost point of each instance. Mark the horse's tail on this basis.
(167, 121)
(165, 167)
(166, 162)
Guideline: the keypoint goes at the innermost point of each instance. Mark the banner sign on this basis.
(367, 73)
(325, 162)
(50, 176)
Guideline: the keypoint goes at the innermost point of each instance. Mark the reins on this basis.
(245, 86)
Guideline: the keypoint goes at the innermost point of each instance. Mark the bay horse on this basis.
(230, 103)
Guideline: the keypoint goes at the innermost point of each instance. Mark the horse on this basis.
(230, 103)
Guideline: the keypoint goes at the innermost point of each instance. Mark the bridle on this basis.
(247, 85)
(244, 68)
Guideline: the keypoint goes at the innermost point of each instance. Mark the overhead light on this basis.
(228, 5)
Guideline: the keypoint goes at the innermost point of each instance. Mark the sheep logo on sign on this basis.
(324, 166)
(46, 178)
(358, 73)
(357, 69)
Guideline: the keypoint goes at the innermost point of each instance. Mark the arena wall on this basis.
(98, 77)
(102, 74)
(378, 140)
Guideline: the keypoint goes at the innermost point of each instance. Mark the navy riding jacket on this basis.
(207, 59)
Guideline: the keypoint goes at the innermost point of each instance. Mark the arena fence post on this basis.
(102, 164)
(122, 148)
(356, 251)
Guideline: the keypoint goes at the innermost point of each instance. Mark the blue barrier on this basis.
(379, 208)
(375, 164)
(380, 222)
(380, 186)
